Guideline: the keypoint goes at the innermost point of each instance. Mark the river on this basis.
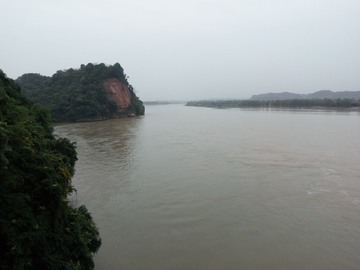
(200, 188)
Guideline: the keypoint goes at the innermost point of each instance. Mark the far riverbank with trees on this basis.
(290, 103)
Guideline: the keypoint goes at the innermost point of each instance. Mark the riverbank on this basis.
(315, 104)
(356, 108)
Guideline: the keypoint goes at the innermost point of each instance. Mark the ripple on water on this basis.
(196, 188)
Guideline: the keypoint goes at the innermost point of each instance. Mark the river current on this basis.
(200, 188)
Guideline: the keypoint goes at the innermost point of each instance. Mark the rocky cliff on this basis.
(90, 93)
(118, 92)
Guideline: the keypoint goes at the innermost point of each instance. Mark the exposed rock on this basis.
(118, 92)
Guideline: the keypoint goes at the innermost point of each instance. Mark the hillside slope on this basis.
(90, 93)
(39, 229)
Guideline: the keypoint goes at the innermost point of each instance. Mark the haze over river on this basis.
(200, 188)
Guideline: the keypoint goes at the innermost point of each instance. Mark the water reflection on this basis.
(106, 155)
(326, 111)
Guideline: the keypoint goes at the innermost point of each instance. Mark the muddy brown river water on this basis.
(199, 188)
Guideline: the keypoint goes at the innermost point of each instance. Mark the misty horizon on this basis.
(190, 50)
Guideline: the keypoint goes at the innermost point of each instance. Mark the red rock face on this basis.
(118, 92)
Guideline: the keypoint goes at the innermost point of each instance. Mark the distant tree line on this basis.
(76, 94)
(290, 103)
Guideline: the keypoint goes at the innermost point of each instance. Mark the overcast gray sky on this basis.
(190, 49)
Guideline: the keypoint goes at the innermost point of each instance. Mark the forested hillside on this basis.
(82, 94)
(38, 227)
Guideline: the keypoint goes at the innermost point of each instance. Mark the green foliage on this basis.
(38, 227)
(137, 107)
(289, 103)
(75, 95)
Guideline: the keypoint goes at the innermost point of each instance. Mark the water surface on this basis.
(199, 188)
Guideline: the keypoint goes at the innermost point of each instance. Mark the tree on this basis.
(38, 227)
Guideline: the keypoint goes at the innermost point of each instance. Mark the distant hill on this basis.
(317, 95)
(90, 93)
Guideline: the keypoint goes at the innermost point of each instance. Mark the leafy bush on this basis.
(38, 227)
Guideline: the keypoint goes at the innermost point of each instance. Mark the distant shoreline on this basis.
(347, 109)
(300, 104)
